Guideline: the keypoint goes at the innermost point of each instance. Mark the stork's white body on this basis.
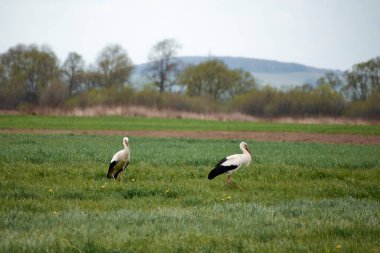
(232, 163)
(121, 157)
(237, 160)
(120, 160)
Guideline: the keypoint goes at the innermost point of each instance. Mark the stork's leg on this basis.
(122, 173)
(236, 186)
(241, 189)
(233, 184)
(228, 181)
(121, 177)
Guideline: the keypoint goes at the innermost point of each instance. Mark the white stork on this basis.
(232, 163)
(119, 161)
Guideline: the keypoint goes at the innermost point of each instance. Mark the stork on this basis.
(119, 161)
(232, 163)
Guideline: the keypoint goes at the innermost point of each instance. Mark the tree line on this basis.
(33, 76)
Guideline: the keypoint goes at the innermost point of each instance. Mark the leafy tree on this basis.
(73, 69)
(164, 66)
(214, 80)
(113, 67)
(241, 81)
(26, 71)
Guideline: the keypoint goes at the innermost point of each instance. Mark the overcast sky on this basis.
(322, 33)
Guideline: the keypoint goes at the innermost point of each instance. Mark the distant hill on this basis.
(275, 73)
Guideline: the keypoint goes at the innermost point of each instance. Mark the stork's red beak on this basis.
(248, 151)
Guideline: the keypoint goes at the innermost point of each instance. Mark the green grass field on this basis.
(137, 123)
(298, 197)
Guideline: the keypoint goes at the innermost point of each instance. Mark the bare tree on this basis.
(364, 79)
(331, 79)
(164, 65)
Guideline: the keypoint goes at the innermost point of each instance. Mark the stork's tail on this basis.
(215, 172)
(220, 169)
(110, 169)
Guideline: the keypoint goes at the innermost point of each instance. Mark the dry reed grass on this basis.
(140, 111)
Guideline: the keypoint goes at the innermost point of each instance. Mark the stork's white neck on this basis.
(244, 150)
(126, 143)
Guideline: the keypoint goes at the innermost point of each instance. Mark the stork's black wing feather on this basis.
(110, 169)
(220, 169)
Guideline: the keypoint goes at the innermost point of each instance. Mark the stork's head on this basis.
(244, 147)
(126, 142)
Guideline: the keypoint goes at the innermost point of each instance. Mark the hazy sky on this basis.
(322, 33)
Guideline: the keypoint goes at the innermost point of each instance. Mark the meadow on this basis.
(297, 197)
